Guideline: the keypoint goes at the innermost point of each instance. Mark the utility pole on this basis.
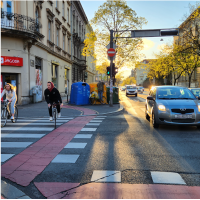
(111, 63)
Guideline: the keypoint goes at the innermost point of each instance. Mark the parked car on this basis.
(131, 90)
(195, 91)
(172, 105)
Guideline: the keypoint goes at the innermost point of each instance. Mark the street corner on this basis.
(8, 191)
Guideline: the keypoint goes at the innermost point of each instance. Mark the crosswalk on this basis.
(15, 137)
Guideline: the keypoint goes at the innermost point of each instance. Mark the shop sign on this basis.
(11, 61)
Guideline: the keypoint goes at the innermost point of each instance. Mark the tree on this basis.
(116, 15)
(118, 78)
(129, 81)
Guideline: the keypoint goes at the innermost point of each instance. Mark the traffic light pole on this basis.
(111, 73)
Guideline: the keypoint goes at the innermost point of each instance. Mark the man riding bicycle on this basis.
(11, 96)
(52, 95)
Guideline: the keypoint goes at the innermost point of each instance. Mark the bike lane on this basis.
(25, 166)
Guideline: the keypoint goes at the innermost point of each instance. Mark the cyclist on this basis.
(11, 96)
(52, 95)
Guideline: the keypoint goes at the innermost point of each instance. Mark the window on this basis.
(49, 30)
(74, 21)
(56, 4)
(57, 37)
(37, 19)
(80, 29)
(68, 45)
(82, 32)
(1, 6)
(63, 9)
(63, 42)
(77, 25)
(68, 15)
(9, 6)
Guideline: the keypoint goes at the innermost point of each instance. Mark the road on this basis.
(123, 142)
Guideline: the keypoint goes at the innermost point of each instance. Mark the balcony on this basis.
(81, 63)
(17, 25)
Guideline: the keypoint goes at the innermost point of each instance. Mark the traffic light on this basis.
(108, 71)
(114, 69)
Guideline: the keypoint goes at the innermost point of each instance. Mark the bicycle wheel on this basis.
(54, 118)
(15, 115)
(4, 114)
(103, 100)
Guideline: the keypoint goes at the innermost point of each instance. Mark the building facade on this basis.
(78, 29)
(140, 72)
(46, 38)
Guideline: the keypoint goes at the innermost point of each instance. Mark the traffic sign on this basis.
(111, 52)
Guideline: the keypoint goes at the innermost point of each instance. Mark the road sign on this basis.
(111, 52)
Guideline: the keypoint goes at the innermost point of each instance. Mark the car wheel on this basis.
(146, 115)
(154, 123)
(136, 95)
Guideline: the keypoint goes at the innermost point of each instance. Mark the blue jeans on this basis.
(100, 95)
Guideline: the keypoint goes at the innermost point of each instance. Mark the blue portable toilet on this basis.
(80, 93)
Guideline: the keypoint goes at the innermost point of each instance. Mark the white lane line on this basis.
(86, 136)
(93, 124)
(15, 144)
(21, 135)
(106, 176)
(33, 124)
(75, 145)
(5, 157)
(96, 121)
(25, 129)
(65, 158)
(88, 129)
(167, 178)
(26, 120)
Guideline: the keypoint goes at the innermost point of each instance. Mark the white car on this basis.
(131, 90)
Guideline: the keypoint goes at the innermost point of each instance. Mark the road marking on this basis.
(167, 178)
(75, 145)
(93, 124)
(96, 121)
(65, 158)
(26, 129)
(83, 136)
(45, 120)
(4, 135)
(34, 124)
(5, 157)
(106, 176)
(15, 144)
(36, 118)
(88, 129)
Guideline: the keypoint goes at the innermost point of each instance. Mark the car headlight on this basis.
(199, 107)
(161, 108)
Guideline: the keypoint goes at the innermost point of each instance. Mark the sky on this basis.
(159, 14)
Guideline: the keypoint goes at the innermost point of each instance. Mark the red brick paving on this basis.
(117, 191)
(25, 166)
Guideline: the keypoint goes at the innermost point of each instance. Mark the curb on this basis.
(120, 109)
(10, 192)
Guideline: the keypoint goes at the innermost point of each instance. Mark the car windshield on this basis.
(131, 87)
(174, 93)
(196, 92)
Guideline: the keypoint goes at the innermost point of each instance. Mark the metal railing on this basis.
(19, 22)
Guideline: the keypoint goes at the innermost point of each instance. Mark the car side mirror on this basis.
(150, 98)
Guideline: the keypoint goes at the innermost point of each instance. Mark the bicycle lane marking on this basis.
(25, 166)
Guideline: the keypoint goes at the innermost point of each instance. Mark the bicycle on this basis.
(6, 114)
(93, 99)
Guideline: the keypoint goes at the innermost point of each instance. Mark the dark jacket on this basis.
(53, 96)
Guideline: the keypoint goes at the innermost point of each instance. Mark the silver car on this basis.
(131, 90)
(172, 105)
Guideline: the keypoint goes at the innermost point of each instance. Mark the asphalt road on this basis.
(127, 142)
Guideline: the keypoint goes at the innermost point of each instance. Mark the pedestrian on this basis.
(100, 86)
(11, 96)
(52, 95)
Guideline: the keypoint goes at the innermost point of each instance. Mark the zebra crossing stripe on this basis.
(26, 129)
(40, 120)
(33, 124)
(5, 157)
(27, 135)
(88, 129)
(15, 144)
(61, 158)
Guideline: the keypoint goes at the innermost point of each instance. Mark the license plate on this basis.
(183, 116)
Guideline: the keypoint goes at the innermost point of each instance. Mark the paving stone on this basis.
(167, 178)
(110, 176)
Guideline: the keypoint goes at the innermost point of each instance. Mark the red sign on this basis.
(12, 61)
(1, 86)
(111, 52)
